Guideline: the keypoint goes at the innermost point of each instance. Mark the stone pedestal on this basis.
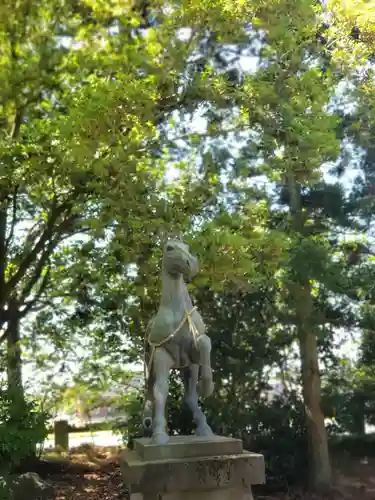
(191, 468)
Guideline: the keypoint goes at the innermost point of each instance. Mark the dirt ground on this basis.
(87, 473)
(90, 473)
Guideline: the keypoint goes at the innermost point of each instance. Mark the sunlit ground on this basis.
(97, 438)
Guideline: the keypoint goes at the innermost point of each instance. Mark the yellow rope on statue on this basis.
(192, 328)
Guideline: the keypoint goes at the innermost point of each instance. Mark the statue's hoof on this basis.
(160, 438)
(204, 430)
(147, 422)
(205, 387)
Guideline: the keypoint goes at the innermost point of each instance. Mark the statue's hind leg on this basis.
(190, 377)
(162, 363)
(205, 385)
(147, 415)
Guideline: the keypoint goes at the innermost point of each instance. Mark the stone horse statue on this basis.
(175, 338)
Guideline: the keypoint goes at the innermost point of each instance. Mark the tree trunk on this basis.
(14, 371)
(3, 228)
(319, 460)
(14, 360)
(359, 412)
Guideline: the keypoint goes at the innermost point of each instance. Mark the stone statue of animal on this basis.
(176, 338)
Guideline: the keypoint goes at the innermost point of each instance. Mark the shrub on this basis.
(278, 432)
(22, 427)
(133, 406)
(353, 445)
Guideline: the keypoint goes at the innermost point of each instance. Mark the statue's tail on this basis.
(149, 386)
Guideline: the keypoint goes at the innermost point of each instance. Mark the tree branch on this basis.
(46, 253)
(13, 222)
(31, 304)
(38, 270)
(41, 264)
(3, 222)
(16, 127)
(4, 336)
(38, 247)
(31, 283)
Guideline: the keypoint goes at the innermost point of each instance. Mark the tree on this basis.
(289, 104)
(84, 119)
(356, 129)
(261, 213)
(285, 100)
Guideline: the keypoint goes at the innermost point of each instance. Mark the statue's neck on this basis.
(174, 292)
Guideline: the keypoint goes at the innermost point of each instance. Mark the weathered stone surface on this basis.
(187, 447)
(223, 494)
(212, 476)
(61, 432)
(192, 474)
(176, 338)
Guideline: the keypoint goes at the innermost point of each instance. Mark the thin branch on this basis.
(208, 135)
(38, 269)
(32, 256)
(3, 221)
(13, 223)
(26, 12)
(40, 307)
(46, 253)
(18, 119)
(34, 231)
(30, 305)
(41, 264)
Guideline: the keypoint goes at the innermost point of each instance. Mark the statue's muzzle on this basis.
(192, 267)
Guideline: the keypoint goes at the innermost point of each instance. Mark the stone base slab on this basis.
(216, 477)
(222, 494)
(187, 447)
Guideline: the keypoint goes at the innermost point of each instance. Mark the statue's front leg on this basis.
(191, 398)
(205, 385)
(162, 363)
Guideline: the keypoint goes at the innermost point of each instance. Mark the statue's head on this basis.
(178, 260)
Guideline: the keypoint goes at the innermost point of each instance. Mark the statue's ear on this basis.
(164, 237)
(168, 237)
(174, 236)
